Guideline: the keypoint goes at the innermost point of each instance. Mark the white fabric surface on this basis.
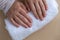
(21, 32)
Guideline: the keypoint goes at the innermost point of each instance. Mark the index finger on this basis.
(22, 11)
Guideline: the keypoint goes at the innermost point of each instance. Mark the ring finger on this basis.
(25, 20)
(21, 22)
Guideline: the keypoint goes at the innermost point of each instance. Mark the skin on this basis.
(17, 14)
(38, 7)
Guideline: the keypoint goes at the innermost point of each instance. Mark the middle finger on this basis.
(42, 8)
(25, 20)
(38, 9)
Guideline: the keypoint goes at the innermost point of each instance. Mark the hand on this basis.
(17, 14)
(38, 7)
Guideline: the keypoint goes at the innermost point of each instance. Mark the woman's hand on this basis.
(38, 7)
(18, 15)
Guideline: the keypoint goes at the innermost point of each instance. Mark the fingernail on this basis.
(26, 27)
(30, 25)
(46, 9)
(42, 19)
(45, 15)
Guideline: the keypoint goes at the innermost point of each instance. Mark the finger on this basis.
(23, 6)
(14, 22)
(27, 6)
(20, 22)
(45, 3)
(42, 8)
(33, 9)
(38, 9)
(25, 20)
(25, 14)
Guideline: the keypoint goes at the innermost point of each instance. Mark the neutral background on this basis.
(50, 32)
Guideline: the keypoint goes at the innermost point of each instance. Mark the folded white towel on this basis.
(21, 32)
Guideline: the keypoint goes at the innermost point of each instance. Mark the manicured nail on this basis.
(42, 19)
(26, 26)
(30, 25)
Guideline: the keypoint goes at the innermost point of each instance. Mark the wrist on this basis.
(8, 5)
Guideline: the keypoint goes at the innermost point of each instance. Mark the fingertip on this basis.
(30, 25)
(44, 15)
(26, 26)
(42, 19)
(30, 20)
(17, 26)
(46, 8)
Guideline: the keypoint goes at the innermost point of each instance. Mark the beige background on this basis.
(49, 32)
